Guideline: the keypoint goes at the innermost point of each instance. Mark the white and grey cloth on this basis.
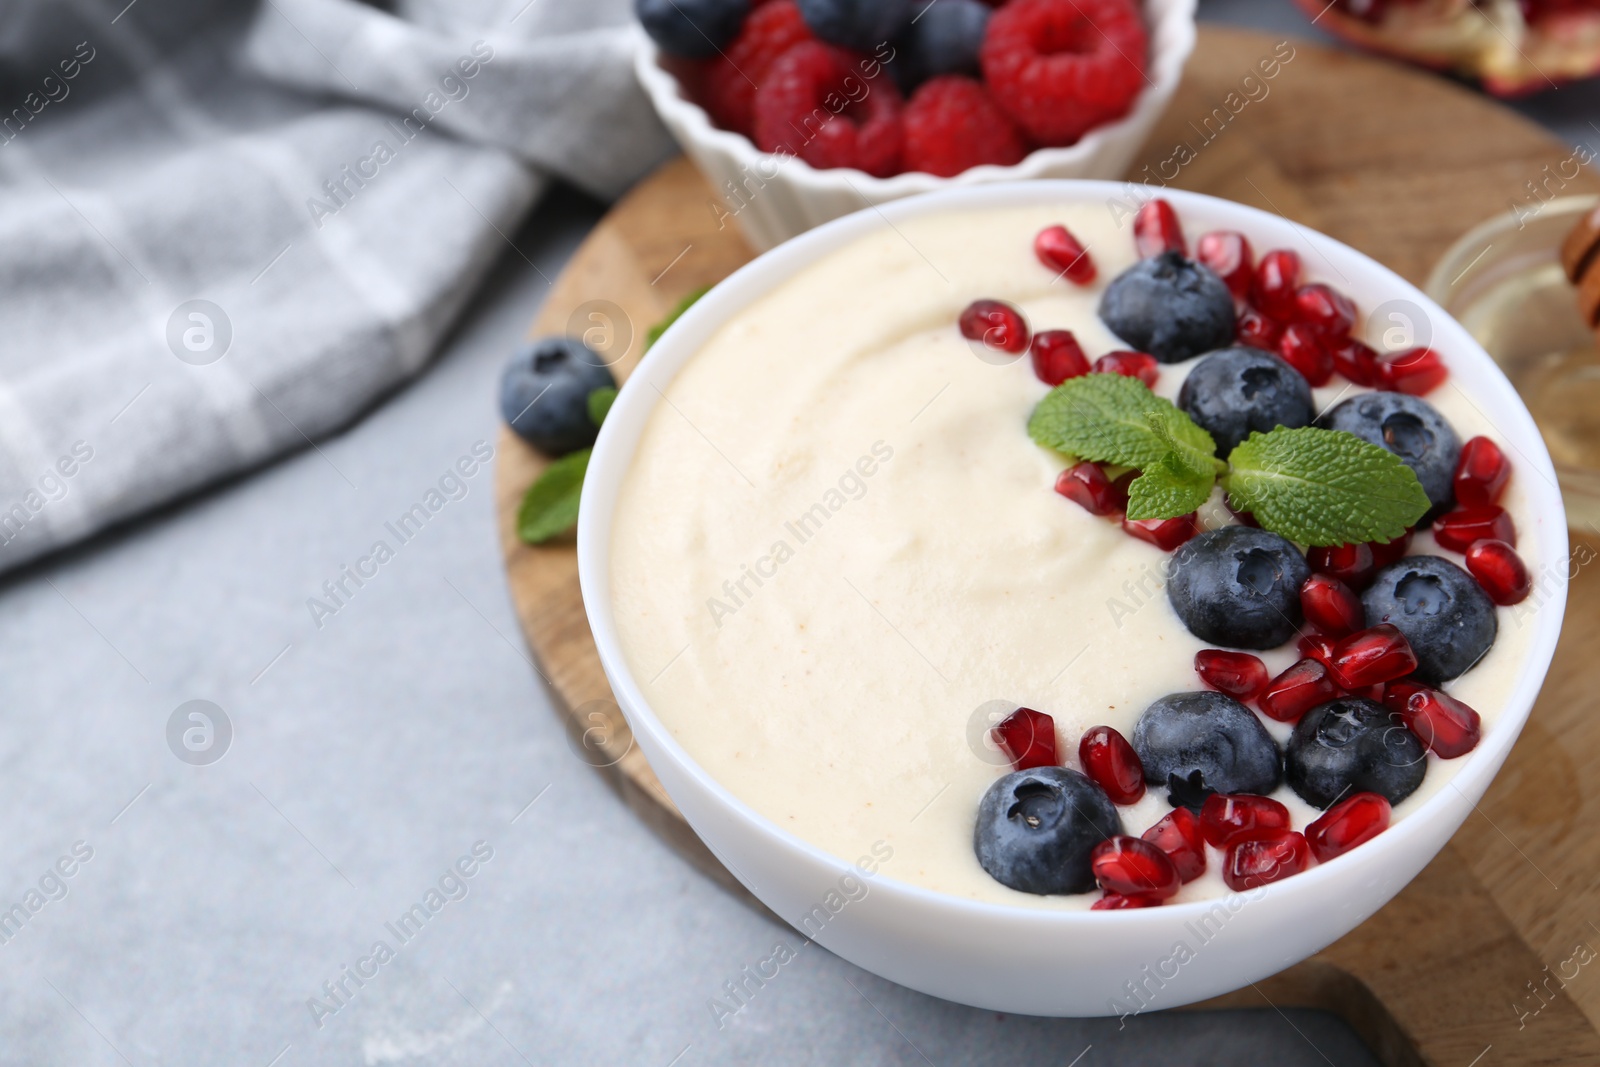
(227, 227)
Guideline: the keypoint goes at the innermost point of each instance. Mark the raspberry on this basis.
(1062, 67)
(728, 88)
(816, 103)
(952, 124)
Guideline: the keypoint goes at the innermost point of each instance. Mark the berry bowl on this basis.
(773, 198)
(896, 703)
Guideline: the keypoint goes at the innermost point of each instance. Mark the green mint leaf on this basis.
(653, 334)
(1169, 488)
(599, 402)
(1323, 487)
(551, 507)
(1109, 418)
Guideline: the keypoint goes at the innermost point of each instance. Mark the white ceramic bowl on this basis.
(1043, 962)
(775, 199)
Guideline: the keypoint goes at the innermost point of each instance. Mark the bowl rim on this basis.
(634, 405)
(1164, 70)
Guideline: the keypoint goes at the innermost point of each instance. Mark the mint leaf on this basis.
(1323, 487)
(599, 402)
(551, 507)
(1109, 418)
(653, 334)
(1168, 488)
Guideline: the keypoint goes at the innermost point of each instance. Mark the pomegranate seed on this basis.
(1317, 647)
(1353, 821)
(1481, 473)
(1330, 606)
(1417, 371)
(1230, 258)
(1028, 737)
(997, 324)
(1277, 279)
(1087, 486)
(1324, 309)
(1266, 859)
(1133, 867)
(1351, 564)
(1444, 725)
(1239, 674)
(1129, 365)
(1257, 330)
(1177, 833)
(1120, 901)
(1500, 571)
(1458, 529)
(1057, 356)
(1373, 692)
(1303, 349)
(1112, 764)
(1387, 552)
(1064, 254)
(1165, 534)
(1355, 361)
(1380, 654)
(1297, 690)
(1156, 230)
(1120, 487)
(1226, 820)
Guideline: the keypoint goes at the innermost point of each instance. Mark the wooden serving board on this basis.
(1396, 163)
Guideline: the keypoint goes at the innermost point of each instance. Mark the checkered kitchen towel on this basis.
(228, 226)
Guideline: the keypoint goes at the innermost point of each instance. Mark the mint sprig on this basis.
(551, 507)
(1109, 418)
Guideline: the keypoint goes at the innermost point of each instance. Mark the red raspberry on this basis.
(953, 124)
(1063, 67)
(799, 112)
(729, 86)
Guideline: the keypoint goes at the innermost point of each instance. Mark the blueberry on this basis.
(1037, 827)
(1170, 307)
(1238, 586)
(544, 394)
(1236, 391)
(1445, 615)
(1412, 430)
(695, 29)
(1204, 742)
(862, 25)
(943, 38)
(1353, 745)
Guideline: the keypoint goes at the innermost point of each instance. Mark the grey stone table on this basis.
(161, 905)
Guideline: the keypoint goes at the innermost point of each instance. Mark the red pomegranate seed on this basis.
(1303, 349)
(1057, 356)
(1119, 902)
(1112, 764)
(1239, 674)
(1129, 365)
(1267, 859)
(1353, 821)
(1481, 473)
(1387, 552)
(1028, 737)
(1156, 230)
(1087, 486)
(997, 324)
(1351, 564)
(1380, 654)
(1317, 647)
(1417, 371)
(1177, 833)
(1373, 692)
(1444, 725)
(1133, 867)
(1226, 820)
(1277, 279)
(1355, 361)
(1330, 606)
(1244, 518)
(1257, 330)
(1230, 258)
(1165, 534)
(1120, 487)
(1064, 254)
(1324, 309)
(1458, 529)
(1500, 571)
(1297, 690)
